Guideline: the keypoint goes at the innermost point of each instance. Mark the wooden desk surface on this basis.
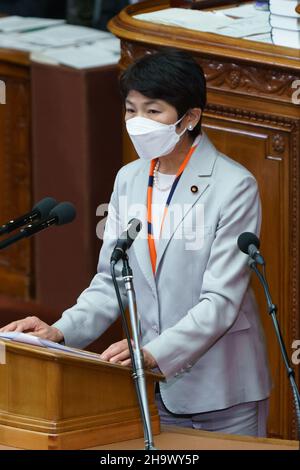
(175, 438)
(14, 57)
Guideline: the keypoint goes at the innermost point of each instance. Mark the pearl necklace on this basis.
(155, 178)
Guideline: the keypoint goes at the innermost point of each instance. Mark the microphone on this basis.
(126, 239)
(249, 243)
(62, 213)
(39, 211)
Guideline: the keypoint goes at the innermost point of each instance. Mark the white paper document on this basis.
(12, 24)
(64, 35)
(236, 22)
(245, 27)
(14, 41)
(244, 11)
(100, 53)
(35, 341)
(261, 38)
(192, 19)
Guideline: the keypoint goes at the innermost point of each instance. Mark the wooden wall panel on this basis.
(15, 176)
(251, 145)
(56, 122)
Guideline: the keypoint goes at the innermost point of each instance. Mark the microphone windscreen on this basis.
(134, 227)
(64, 212)
(45, 206)
(246, 239)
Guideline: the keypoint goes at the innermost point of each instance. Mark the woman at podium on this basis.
(200, 324)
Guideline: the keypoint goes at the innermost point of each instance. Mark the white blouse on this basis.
(159, 199)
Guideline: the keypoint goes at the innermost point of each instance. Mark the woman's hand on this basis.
(118, 353)
(36, 327)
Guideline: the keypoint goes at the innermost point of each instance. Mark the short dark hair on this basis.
(170, 75)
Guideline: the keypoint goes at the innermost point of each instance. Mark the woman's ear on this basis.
(193, 117)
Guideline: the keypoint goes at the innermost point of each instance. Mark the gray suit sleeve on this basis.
(96, 308)
(225, 282)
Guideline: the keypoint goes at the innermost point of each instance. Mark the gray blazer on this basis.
(199, 318)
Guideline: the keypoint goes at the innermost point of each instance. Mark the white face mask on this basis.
(152, 139)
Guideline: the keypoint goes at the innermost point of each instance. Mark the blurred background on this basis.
(60, 135)
(93, 13)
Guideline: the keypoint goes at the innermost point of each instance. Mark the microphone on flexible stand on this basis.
(126, 239)
(249, 243)
(62, 213)
(39, 212)
(119, 252)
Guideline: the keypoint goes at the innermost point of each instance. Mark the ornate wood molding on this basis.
(259, 81)
(243, 79)
(278, 143)
(245, 114)
(16, 178)
(295, 254)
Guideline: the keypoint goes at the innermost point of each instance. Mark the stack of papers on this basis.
(81, 57)
(14, 41)
(75, 46)
(245, 27)
(18, 24)
(64, 35)
(244, 11)
(58, 43)
(267, 38)
(45, 343)
(184, 18)
(240, 22)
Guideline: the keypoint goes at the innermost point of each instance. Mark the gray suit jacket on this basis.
(199, 317)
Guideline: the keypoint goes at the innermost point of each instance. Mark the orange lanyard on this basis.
(151, 241)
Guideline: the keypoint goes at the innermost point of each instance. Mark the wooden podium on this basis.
(50, 399)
